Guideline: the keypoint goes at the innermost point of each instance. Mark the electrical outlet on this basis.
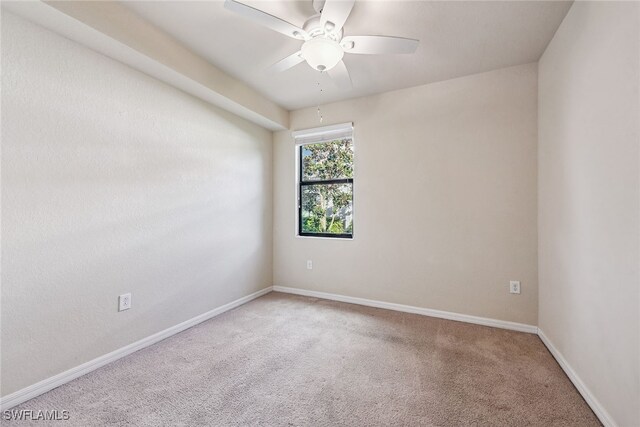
(514, 287)
(124, 302)
(309, 264)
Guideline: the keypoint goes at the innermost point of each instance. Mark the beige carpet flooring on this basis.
(285, 360)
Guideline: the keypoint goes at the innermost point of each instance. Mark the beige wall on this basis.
(589, 210)
(445, 199)
(113, 182)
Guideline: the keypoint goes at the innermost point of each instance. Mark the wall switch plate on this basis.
(514, 287)
(124, 302)
(309, 265)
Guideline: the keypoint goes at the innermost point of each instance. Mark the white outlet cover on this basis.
(124, 302)
(309, 265)
(514, 287)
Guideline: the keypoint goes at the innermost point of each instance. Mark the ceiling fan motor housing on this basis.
(323, 51)
(314, 28)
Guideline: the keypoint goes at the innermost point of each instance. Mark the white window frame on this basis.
(317, 136)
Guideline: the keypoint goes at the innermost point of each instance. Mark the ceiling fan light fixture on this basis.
(321, 53)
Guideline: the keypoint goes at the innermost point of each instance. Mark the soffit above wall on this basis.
(112, 29)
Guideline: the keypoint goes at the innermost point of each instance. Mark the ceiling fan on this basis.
(324, 44)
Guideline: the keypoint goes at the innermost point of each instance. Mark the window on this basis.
(325, 184)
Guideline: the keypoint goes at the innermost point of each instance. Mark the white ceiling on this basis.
(457, 38)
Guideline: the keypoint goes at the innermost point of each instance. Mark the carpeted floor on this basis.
(285, 360)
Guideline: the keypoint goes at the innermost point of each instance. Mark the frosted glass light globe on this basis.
(322, 54)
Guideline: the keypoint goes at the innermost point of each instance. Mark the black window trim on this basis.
(302, 183)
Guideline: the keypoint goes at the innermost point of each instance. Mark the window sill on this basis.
(323, 237)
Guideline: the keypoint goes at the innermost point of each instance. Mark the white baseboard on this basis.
(602, 414)
(503, 324)
(44, 386)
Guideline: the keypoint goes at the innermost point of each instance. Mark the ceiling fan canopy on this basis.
(324, 45)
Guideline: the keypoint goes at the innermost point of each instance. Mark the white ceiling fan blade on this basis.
(378, 44)
(340, 75)
(269, 21)
(286, 63)
(335, 14)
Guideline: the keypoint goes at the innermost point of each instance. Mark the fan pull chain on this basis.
(320, 112)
